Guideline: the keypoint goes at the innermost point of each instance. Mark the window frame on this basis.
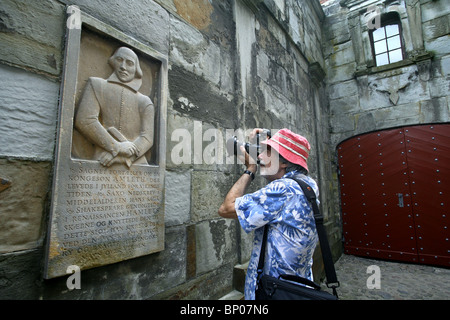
(387, 19)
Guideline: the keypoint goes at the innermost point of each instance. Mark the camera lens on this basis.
(232, 146)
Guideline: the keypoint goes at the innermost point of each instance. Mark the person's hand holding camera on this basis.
(249, 162)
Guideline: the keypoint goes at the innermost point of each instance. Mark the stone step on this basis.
(233, 295)
(239, 273)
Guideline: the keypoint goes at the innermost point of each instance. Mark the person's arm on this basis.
(227, 209)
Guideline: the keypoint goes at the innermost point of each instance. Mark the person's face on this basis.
(271, 167)
(124, 64)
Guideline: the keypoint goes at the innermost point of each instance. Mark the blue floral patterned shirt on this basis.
(292, 235)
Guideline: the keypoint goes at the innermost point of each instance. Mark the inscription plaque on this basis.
(107, 200)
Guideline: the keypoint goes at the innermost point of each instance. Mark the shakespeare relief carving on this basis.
(107, 201)
(114, 116)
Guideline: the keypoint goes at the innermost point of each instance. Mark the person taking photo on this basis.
(281, 205)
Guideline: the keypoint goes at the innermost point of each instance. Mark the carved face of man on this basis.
(124, 63)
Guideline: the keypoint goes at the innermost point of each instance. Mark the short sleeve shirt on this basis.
(292, 235)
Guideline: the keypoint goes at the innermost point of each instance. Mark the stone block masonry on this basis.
(380, 98)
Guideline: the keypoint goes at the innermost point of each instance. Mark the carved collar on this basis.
(134, 84)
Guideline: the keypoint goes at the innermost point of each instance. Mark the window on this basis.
(386, 41)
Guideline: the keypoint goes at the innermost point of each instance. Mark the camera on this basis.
(254, 150)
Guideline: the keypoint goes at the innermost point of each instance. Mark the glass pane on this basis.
(378, 34)
(382, 59)
(394, 43)
(396, 55)
(380, 46)
(392, 30)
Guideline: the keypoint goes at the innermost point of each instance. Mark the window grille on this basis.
(387, 43)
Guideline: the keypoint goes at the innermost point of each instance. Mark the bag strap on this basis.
(262, 254)
(301, 280)
(330, 272)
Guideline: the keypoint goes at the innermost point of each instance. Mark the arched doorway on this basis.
(395, 194)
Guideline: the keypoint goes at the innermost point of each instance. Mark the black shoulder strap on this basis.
(323, 238)
(262, 253)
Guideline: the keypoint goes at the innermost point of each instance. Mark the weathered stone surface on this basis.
(349, 104)
(22, 204)
(215, 243)
(194, 52)
(336, 29)
(246, 245)
(28, 105)
(342, 72)
(177, 197)
(197, 12)
(4, 184)
(194, 97)
(245, 38)
(343, 89)
(439, 85)
(344, 123)
(152, 29)
(208, 191)
(32, 37)
(445, 65)
(208, 286)
(20, 275)
(435, 110)
(437, 27)
(433, 10)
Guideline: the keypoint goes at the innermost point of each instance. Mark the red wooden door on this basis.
(393, 194)
(428, 153)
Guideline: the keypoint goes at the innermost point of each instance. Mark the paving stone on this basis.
(399, 281)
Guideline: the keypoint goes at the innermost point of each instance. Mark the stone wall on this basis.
(366, 98)
(232, 64)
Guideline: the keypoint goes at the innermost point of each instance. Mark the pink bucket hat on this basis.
(293, 147)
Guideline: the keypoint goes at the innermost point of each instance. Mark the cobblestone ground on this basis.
(398, 281)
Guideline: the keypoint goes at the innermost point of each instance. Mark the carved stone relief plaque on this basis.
(107, 200)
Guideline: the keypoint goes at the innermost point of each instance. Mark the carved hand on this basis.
(128, 149)
(107, 160)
